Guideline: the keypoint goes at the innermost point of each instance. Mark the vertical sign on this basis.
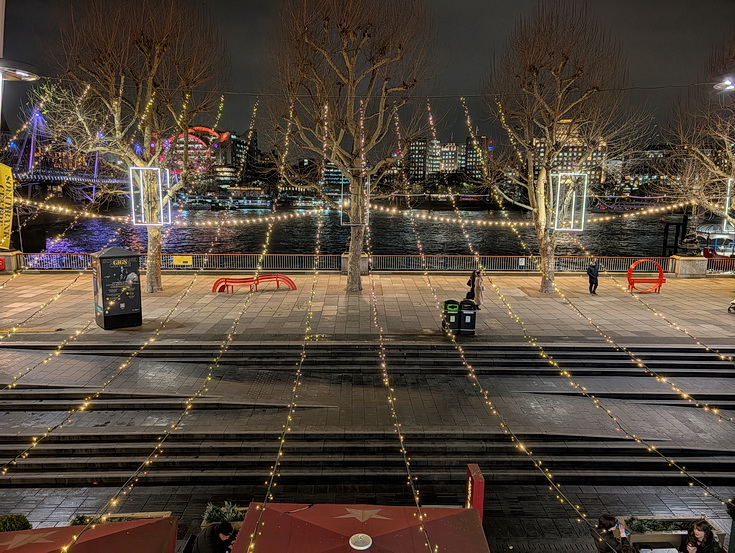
(475, 498)
(6, 205)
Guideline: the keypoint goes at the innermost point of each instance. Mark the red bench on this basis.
(227, 284)
(656, 281)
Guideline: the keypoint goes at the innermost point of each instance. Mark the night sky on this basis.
(667, 43)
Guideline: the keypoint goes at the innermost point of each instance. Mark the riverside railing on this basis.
(305, 262)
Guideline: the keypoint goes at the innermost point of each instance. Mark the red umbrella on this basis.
(149, 535)
(305, 528)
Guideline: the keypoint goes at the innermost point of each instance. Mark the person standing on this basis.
(478, 287)
(215, 538)
(471, 283)
(593, 273)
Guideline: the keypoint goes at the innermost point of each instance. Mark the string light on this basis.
(287, 426)
(144, 468)
(707, 490)
(485, 393)
(638, 362)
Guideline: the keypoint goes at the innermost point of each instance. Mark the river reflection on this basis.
(392, 234)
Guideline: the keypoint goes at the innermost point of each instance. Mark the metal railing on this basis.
(301, 262)
(721, 265)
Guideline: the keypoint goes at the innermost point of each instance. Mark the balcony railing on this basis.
(299, 262)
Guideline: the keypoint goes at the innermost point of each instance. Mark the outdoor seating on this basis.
(227, 284)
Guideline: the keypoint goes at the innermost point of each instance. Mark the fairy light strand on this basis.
(553, 486)
(707, 490)
(298, 374)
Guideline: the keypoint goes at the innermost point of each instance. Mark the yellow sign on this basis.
(184, 260)
(6, 205)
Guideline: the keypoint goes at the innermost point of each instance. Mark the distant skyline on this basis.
(667, 43)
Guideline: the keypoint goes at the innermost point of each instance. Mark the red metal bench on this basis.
(227, 284)
(656, 281)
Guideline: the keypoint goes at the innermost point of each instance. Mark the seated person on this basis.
(215, 538)
(605, 538)
(701, 539)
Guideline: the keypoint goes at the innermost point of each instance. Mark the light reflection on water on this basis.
(392, 234)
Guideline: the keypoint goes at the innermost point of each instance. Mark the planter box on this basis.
(673, 538)
(143, 514)
(236, 524)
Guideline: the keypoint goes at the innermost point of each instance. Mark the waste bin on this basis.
(467, 316)
(450, 315)
(116, 285)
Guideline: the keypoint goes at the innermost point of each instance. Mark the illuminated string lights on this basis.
(10, 332)
(62, 210)
(287, 426)
(707, 490)
(638, 361)
(144, 468)
(553, 486)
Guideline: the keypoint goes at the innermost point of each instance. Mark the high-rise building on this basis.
(575, 156)
(334, 180)
(424, 161)
(452, 157)
(476, 156)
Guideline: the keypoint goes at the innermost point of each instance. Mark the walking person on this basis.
(471, 283)
(593, 273)
(478, 287)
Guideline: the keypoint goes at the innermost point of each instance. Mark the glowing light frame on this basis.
(164, 184)
(556, 198)
(727, 227)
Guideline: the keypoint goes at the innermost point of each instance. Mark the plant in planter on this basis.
(13, 523)
(83, 520)
(230, 512)
(665, 531)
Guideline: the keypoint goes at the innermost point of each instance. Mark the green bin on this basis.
(450, 315)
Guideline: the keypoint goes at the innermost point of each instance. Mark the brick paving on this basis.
(519, 516)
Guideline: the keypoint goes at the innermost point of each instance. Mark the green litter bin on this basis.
(450, 315)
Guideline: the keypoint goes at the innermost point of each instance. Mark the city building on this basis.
(424, 162)
(574, 156)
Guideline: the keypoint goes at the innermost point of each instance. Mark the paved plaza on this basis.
(344, 397)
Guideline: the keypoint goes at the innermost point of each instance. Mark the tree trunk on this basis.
(357, 237)
(546, 247)
(153, 261)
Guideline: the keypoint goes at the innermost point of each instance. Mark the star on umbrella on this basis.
(20, 540)
(363, 515)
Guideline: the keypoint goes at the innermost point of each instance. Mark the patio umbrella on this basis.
(156, 535)
(309, 528)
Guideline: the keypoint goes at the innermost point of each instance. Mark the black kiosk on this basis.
(116, 284)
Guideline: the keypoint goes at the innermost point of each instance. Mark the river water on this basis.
(392, 234)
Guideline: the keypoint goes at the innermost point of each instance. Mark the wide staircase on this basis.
(368, 459)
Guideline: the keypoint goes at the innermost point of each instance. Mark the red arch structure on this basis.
(656, 282)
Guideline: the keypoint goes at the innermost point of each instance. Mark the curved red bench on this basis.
(227, 284)
(655, 281)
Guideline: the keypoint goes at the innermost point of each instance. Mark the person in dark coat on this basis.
(701, 539)
(593, 273)
(215, 538)
(604, 536)
(471, 283)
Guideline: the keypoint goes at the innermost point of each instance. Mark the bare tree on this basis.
(556, 93)
(704, 129)
(132, 78)
(349, 63)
